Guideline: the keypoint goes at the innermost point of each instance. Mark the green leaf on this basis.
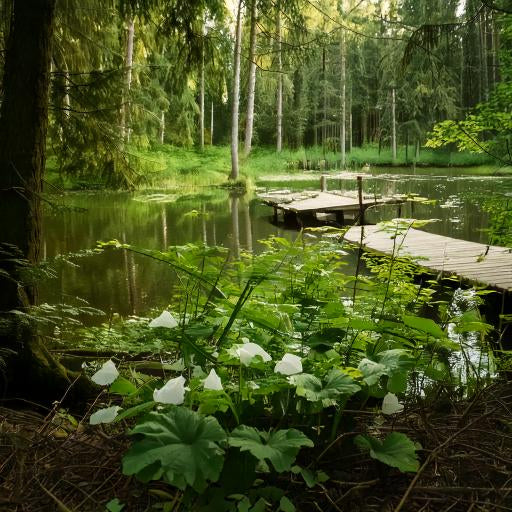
(371, 370)
(336, 384)
(280, 447)
(114, 505)
(309, 477)
(134, 411)
(286, 505)
(425, 325)
(471, 321)
(340, 382)
(397, 450)
(123, 387)
(394, 363)
(178, 445)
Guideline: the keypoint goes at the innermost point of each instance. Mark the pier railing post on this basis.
(323, 183)
(360, 196)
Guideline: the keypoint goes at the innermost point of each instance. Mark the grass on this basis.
(170, 167)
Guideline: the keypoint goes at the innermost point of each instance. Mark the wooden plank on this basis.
(321, 202)
(470, 261)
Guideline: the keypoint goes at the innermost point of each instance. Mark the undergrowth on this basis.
(262, 364)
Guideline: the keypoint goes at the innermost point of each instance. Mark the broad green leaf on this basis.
(336, 384)
(471, 321)
(280, 447)
(178, 445)
(114, 505)
(325, 339)
(286, 505)
(425, 325)
(123, 387)
(397, 450)
(342, 383)
(371, 370)
(394, 363)
(360, 324)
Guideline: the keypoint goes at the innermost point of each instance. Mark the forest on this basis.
(255, 255)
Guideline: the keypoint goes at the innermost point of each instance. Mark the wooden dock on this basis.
(488, 265)
(305, 205)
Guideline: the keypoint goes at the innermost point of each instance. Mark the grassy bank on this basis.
(171, 167)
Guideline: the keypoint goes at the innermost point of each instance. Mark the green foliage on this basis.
(280, 447)
(290, 299)
(114, 505)
(397, 450)
(178, 445)
(335, 385)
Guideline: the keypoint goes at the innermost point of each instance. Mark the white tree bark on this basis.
(236, 95)
(162, 127)
(279, 145)
(393, 123)
(343, 84)
(128, 64)
(252, 81)
(201, 101)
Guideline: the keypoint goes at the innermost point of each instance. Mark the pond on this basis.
(124, 283)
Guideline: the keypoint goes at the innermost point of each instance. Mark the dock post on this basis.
(360, 195)
(323, 183)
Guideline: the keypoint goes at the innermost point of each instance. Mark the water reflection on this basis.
(126, 283)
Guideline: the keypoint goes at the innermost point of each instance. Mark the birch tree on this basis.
(236, 94)
(252, 80)
(279, 143)
(128, 64)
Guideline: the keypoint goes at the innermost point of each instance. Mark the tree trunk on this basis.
(343, 120)
(236, 95)
(201, 100)
(252, 81)
(161, 135)
(393, 124)
(279, 145)
(483, 55)
(350, 120)
(128, 63)
(324, 93)
(32, 371)
(211, 126)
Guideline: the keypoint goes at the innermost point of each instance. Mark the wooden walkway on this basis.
(308, 204)
(470, 261)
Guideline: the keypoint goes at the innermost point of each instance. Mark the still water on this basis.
(124, 283)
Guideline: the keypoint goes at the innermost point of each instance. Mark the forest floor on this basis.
(169, 166)
(49, 461)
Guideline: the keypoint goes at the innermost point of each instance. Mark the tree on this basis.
(23, 127)
(279, 131)
(236, 94)
(249, 122)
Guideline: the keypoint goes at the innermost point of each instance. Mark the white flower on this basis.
(173, 392)
(290, 364)
(248, 351)
(391, 405)
(106, 374)
(107, 415)
(164, 320)
(213, 381)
